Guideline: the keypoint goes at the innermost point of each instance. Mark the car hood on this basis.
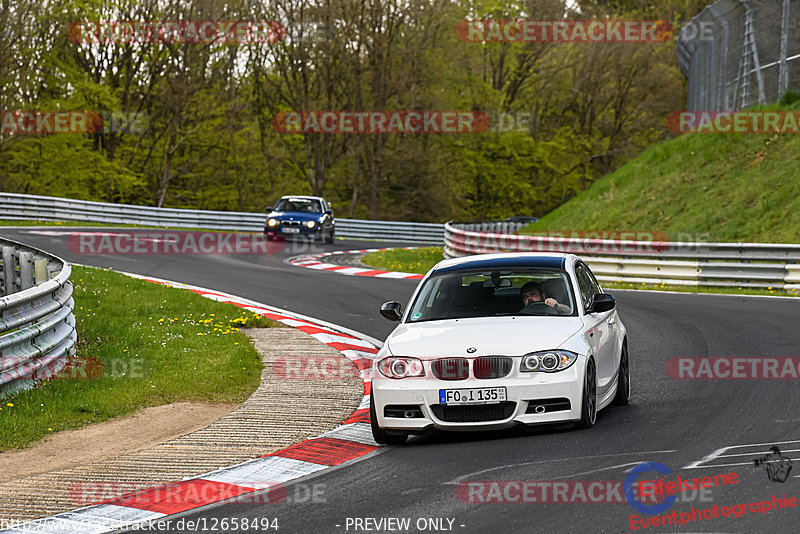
(489, 335)
(295, 215)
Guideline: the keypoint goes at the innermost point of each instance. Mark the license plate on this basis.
(472, 396)
(291, 230)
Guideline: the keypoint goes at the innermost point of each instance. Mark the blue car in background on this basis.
(301, 216)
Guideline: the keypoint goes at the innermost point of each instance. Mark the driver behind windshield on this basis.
(532, 292)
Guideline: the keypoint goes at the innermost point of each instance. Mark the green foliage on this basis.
(65, 166)
(210, 142)
(789, 97)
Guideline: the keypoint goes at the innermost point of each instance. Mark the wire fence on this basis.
(739, 53)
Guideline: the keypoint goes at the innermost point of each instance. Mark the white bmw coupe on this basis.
(496, 340)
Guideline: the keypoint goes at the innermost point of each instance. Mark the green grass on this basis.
(171, 344)
(735, 187)
(610, 286)
(418, 260)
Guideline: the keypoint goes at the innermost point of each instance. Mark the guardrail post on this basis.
(9, 270)
(53, 268)
(40, 270)
(25, 270)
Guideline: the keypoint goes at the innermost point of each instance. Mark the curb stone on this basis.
(316, 262)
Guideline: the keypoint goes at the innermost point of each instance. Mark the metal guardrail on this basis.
(761, 265)
(37, 326)
(420, 233)
(33, 207)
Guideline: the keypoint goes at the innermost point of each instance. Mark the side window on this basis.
(593, 280)
(588, 287)
(434, 294)
(433, 303)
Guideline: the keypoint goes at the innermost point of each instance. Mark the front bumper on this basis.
(304, 232)
(524, 390)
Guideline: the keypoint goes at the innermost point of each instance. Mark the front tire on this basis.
(329, 239)
(589, 398)
(379, 434)
(623, 396)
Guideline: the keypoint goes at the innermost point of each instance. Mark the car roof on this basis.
(547, 260)
(302, 196)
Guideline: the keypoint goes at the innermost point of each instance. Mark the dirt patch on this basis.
(72, 448)
(350, 260)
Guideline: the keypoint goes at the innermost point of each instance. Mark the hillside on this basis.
(737, 187)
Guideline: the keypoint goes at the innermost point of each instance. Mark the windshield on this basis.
(307, 205)
(495, 293)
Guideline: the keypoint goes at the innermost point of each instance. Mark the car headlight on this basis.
(547, 361)
(310, 224)
(400, 367)
(272, 223)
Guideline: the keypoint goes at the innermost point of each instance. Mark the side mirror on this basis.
(392, 310)
(328, 212)
(603, 302)
(269, 209)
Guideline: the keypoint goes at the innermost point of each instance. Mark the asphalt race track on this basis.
(675, 422)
